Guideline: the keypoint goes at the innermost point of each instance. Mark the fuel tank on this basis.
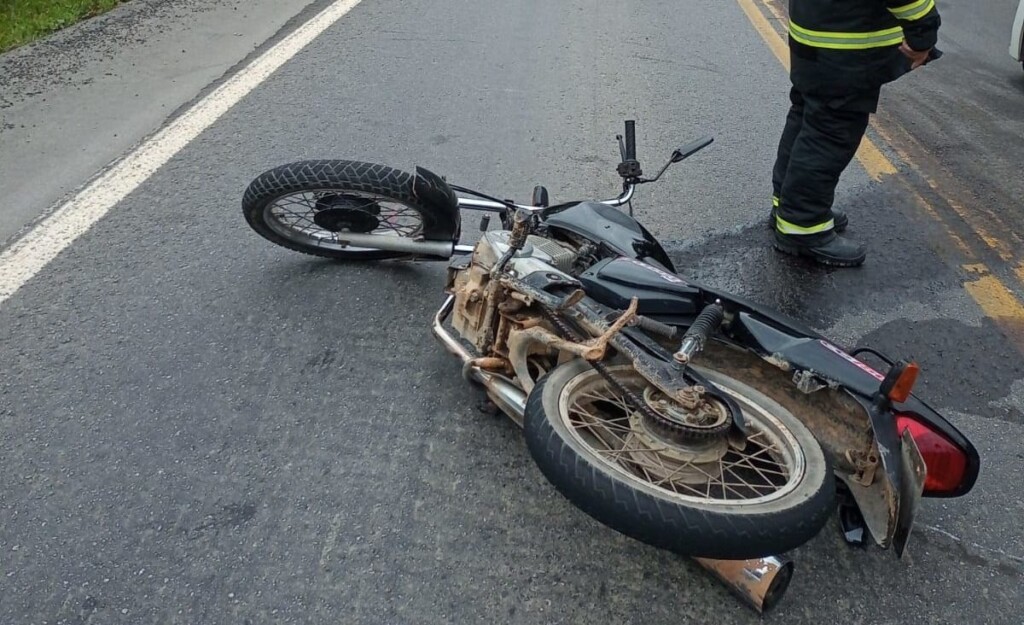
(601, 223)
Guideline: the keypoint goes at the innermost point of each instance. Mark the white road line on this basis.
(29, 254)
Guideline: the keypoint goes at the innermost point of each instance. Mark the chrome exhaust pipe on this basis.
(760, 583)
(507, 396)
(440, 249)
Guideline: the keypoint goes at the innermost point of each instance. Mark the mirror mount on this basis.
(681, 154)
(690, 149)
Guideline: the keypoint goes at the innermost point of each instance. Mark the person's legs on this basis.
(828, 139)
(794, 123)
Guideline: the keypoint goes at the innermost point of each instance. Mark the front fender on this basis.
(434, 195)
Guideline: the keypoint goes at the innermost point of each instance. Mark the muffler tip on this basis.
(778, 586)
(761, 583)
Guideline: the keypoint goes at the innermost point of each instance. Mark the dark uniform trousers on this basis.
(820, 139)
(842, 52)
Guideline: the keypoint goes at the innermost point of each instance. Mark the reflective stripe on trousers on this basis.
(786, 227)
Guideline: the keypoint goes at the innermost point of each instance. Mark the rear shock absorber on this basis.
(704, 326)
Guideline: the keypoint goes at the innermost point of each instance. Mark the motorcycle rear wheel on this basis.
(773, 496)
(306, 206)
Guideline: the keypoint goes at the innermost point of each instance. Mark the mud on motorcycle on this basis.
(675, 413)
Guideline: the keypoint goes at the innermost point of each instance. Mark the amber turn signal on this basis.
(904, 384)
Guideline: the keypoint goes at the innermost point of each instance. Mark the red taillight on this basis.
(946, 463)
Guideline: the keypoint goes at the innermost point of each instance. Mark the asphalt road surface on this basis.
(198, 427)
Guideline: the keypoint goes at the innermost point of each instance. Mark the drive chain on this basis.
(677, 429)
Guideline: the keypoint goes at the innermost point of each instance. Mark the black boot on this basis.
(831, 249)
(842, 221)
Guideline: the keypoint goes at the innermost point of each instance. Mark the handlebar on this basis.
(489, 205)
(629, 169)
(630, 140)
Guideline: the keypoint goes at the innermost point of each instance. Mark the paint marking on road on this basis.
(991, 294)
(768, 32)
(929, 210)
(997, 301)
(982, 225)
(33, 251)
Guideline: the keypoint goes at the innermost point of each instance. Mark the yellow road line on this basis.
(974, 221)
(769, 34)
(997, 301)
(994, 298)
(931, 212)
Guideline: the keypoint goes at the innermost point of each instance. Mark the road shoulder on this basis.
(75, 101)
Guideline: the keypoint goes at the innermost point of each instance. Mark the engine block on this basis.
(470, 284)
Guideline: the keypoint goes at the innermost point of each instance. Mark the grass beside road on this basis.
(22, 21)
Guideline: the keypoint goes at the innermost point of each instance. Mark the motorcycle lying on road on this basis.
(677, 414)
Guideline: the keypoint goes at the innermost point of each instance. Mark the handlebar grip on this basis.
(630, 140)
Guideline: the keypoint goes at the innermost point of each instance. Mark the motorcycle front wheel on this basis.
(711, 500)
(308, 206)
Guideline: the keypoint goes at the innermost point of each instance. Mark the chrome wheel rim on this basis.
(297, 218)
(602, 422)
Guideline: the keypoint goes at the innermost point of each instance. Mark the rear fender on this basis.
(840, 421)
(818, 361)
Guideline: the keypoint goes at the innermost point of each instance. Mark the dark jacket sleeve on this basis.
(920, 21)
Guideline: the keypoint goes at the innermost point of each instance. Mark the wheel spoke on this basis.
(604, 420)
(603, 425)
(292, 216)
(616, 399)
(761, 471)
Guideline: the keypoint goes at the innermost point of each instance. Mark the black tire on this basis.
(389, 184)
(651, 515)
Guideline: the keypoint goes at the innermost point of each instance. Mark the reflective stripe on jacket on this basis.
(864, 24)
(842, 47)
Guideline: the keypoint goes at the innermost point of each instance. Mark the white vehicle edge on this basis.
(1017, 35)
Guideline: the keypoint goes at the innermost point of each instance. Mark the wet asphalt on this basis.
(197, 427)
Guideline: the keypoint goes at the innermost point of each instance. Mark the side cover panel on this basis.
(614, 282)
